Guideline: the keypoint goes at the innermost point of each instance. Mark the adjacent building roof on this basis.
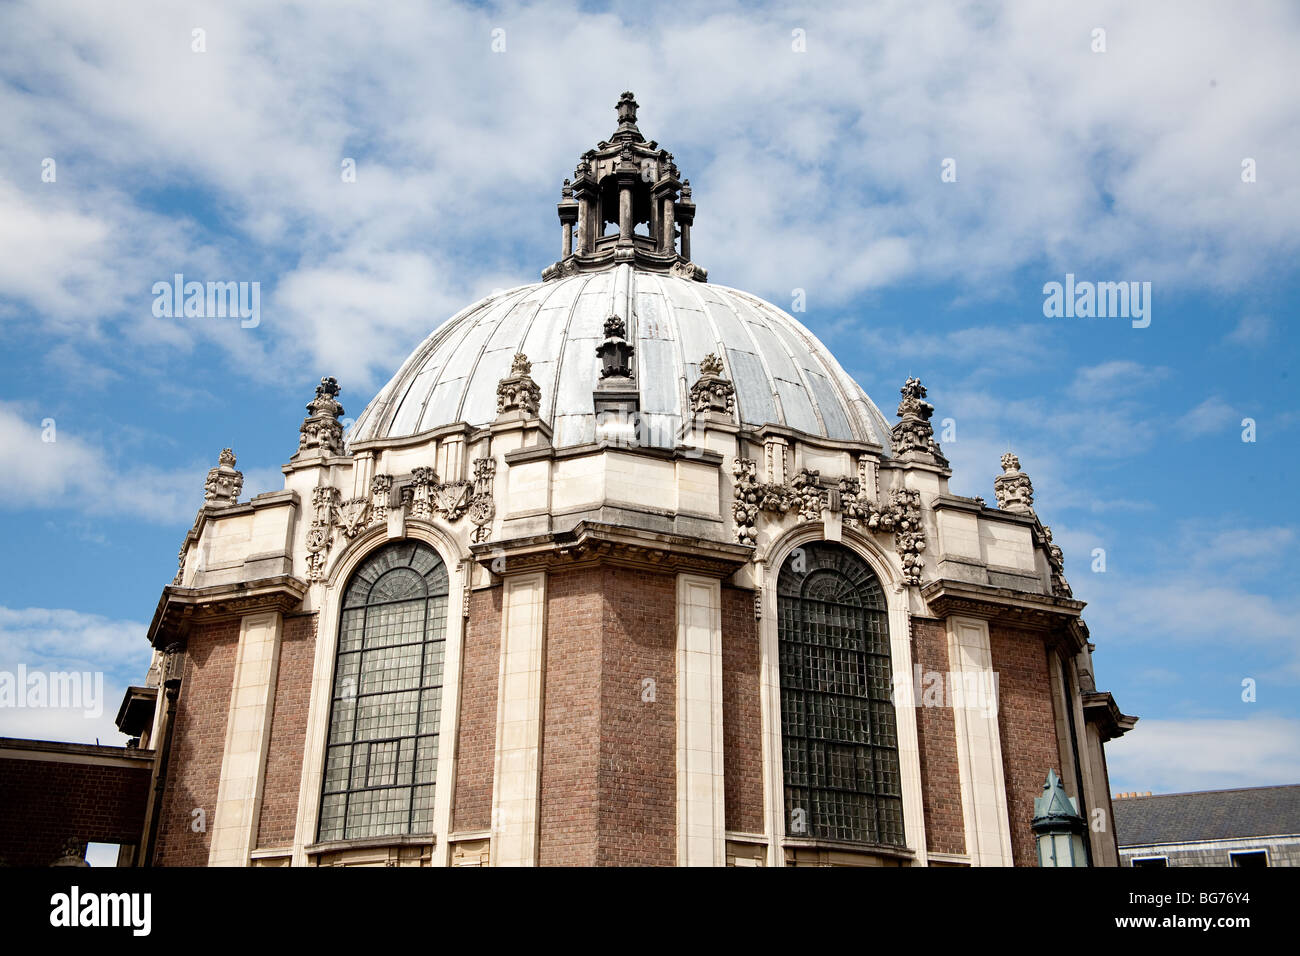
(1208, 815)
(782, 373)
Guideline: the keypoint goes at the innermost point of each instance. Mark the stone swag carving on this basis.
(424, 497)
(805, 495)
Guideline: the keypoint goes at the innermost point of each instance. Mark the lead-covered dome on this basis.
(782, 373)
(645, 282)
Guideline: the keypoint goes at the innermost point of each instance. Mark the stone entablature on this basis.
(723, 484)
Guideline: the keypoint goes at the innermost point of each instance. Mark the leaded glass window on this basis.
(383, 738)
(838, 731)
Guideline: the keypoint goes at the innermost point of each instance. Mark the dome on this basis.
(782, 374)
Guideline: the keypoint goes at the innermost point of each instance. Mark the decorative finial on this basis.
(224, 483)
(626, 109)
(615, 352)
(711, 392)
(1014, 490)
(914, 435)
(518, 395)
(321, 433)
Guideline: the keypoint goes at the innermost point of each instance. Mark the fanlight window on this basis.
(383, 737)
(838, 730)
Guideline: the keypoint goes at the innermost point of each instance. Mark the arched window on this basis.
(839, 735)
(383, 738)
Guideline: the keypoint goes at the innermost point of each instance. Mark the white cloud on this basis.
(818, 170)
(1212, 415)
(1251, 330)
(1173, 756)
(73, 473)
(1114, 379)
(114, 653)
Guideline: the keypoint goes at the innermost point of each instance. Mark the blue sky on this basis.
(815, 170)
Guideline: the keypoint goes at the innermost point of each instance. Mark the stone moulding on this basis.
(591, 543)
(1017, 609)
(180, 607)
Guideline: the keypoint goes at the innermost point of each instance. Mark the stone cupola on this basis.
(624, 183)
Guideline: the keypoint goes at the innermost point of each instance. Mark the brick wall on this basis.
(742, 721)
(609, 756)
(288, 732)
(1028, 729)
(638, 737)
(571, 750)
(476, 743)
(43, 803)
(197, 744)
(937, 735)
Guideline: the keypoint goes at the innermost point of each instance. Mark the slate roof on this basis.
(1208, 815)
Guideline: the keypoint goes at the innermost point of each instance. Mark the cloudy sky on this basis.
(1152, 142)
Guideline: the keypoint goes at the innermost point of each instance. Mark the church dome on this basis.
(782, 373)
(669, 314)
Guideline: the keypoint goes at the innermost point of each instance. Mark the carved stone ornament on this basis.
(1013, 489)
(711, 391)
(321, 433)
(615, 352)
(430, 497)
(1056, 561)
(482, 508)
(352, 516)
(902, 517)
(805, 495)
(222, 488)
(381, 489)
(320, 536)
(914, 433)
(517, 391)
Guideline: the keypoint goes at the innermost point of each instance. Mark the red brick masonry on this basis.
(198, 742)
(288, 733)
(45, 802)
(1028, 729)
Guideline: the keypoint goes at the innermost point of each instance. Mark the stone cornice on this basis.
(761, 434)
(469, 432)
(180, 607)
(56, 751)
(1099, 707)
(1019, 609)
(958, 503)
(895, 464)
(589, 544)
(542, 452)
